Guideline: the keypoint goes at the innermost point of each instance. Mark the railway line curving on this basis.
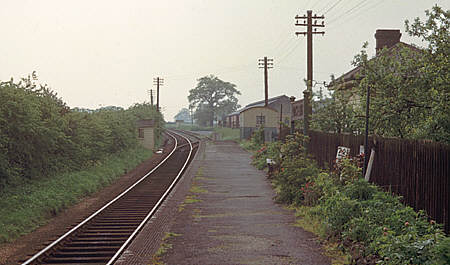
(103, 236)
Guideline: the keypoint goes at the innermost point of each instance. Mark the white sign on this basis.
(342, 152)
(361, 149)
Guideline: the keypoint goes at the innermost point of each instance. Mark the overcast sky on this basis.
(104, 52)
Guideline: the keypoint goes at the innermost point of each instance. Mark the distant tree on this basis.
(183, 115)
(215, 96)
(202, 115)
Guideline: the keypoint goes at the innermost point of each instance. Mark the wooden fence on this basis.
(417, 170)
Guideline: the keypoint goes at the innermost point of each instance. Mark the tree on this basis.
(202, 115)
(409, 87)
(334, 114)
(215, 96)
(183, 115)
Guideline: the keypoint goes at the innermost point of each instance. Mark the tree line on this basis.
(40, 135)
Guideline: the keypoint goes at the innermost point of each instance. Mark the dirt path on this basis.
(17, 251)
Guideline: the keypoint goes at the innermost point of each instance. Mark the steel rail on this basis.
(37, 255)
(150, 214)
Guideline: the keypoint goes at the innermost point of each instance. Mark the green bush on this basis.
(370, 223)
(442, 251)
(40, 135)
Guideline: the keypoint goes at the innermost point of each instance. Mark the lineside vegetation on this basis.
(368, 224)
(40, 135)
(51, 155)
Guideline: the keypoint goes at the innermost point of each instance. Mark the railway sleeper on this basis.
(76, 260)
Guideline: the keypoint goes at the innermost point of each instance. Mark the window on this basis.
(260, 120)
(141, 132)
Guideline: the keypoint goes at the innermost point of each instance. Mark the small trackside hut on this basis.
(146, 133)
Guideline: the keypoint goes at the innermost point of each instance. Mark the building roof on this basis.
(351, 75)
(145, 123)
(258, 106)
(260, 103)
(270, 101)
(233, 113)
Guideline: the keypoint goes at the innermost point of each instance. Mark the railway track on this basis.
(103, 236)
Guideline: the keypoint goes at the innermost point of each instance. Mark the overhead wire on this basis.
(331, 8)
(286, 55)
(356, 15)
(324, 7)
(349, 11)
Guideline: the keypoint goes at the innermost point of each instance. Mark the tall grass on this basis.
(26, 207)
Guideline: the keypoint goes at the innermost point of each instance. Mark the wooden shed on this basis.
(146, 133)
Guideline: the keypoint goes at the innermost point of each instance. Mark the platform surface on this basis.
(223, 212)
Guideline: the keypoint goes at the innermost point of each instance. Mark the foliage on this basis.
(40, 135)
(203, 115)
(213, 98)
(334, 114)
(24, 208)
(409, 86)
(369, 223)
(409, 91)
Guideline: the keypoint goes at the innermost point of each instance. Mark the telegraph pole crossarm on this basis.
(265, 64)
(158, 82)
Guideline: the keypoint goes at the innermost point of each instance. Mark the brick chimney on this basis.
(386, 38)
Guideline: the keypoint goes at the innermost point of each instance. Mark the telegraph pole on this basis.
(151, 97)
(308, 22)
(266, 64)
(158, 82)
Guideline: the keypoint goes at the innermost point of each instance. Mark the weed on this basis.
(197, 189)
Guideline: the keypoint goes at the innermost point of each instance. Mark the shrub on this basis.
(442, 251)
(40, 135)
(373, 225)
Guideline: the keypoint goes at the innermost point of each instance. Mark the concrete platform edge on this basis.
(148, 241)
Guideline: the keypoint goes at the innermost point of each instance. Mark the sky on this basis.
(107, 52)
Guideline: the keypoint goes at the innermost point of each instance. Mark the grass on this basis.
(313, 224)
(164, 247)
(197, 189)
(188, 200)
(24, 208)
(228, 133)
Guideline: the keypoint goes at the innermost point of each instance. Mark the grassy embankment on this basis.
(26, 207)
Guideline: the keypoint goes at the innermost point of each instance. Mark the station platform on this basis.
(222, 212)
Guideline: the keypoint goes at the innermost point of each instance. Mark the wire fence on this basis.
(419, 171)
